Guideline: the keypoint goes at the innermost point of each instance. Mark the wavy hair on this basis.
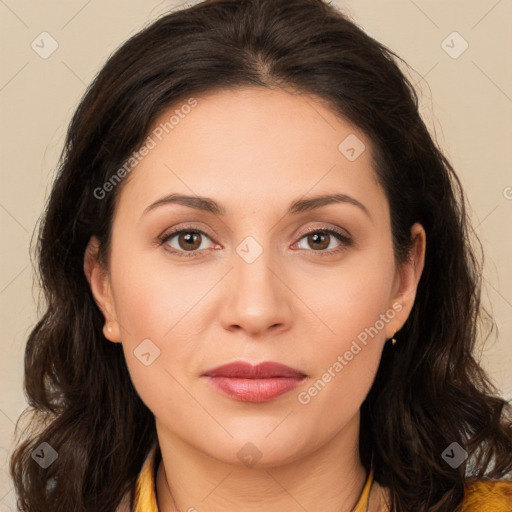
(429, 390)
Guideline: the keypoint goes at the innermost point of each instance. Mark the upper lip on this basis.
(244, 370)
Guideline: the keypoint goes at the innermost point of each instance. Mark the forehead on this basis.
(251, 146)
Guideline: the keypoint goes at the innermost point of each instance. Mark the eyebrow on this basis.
(298, 206)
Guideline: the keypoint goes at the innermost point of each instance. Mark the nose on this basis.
(257, 299)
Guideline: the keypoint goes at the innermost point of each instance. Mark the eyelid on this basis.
(326, 228)
(183, 227)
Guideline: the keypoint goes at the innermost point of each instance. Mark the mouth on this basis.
(261, 383)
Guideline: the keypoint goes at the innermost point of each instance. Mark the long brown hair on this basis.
(429, 390)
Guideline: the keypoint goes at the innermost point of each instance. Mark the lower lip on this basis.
(254, 390)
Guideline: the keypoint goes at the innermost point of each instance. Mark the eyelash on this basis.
(346, 241)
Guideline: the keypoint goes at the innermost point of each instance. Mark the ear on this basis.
(99, 281)
(406, 281)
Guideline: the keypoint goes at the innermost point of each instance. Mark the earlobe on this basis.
(111, 331)
(99, 283)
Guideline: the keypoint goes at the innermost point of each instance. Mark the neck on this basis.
(329, 478)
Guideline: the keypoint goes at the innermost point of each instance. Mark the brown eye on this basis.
(185, 241)
(320, 240)
(189, 240)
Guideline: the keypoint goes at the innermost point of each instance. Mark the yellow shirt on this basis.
(480, 496)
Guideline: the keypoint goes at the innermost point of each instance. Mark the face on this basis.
(314, 287)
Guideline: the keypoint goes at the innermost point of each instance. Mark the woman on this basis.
(261, 291)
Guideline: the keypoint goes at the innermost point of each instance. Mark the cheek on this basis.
(347, 362)
(351, 298)
(155, 303)
(151, 300)
(355, 308)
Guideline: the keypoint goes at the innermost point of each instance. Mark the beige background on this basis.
(467, 100)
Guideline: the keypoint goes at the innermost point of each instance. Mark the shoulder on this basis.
(487, 496)
(479, 496)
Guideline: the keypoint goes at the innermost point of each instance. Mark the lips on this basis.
(261, 383)
(245, 370)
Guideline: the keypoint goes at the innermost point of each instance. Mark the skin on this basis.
(254, 151)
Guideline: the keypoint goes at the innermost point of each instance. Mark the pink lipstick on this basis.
(261, 383)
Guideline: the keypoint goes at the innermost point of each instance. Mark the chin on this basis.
(259, 449)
